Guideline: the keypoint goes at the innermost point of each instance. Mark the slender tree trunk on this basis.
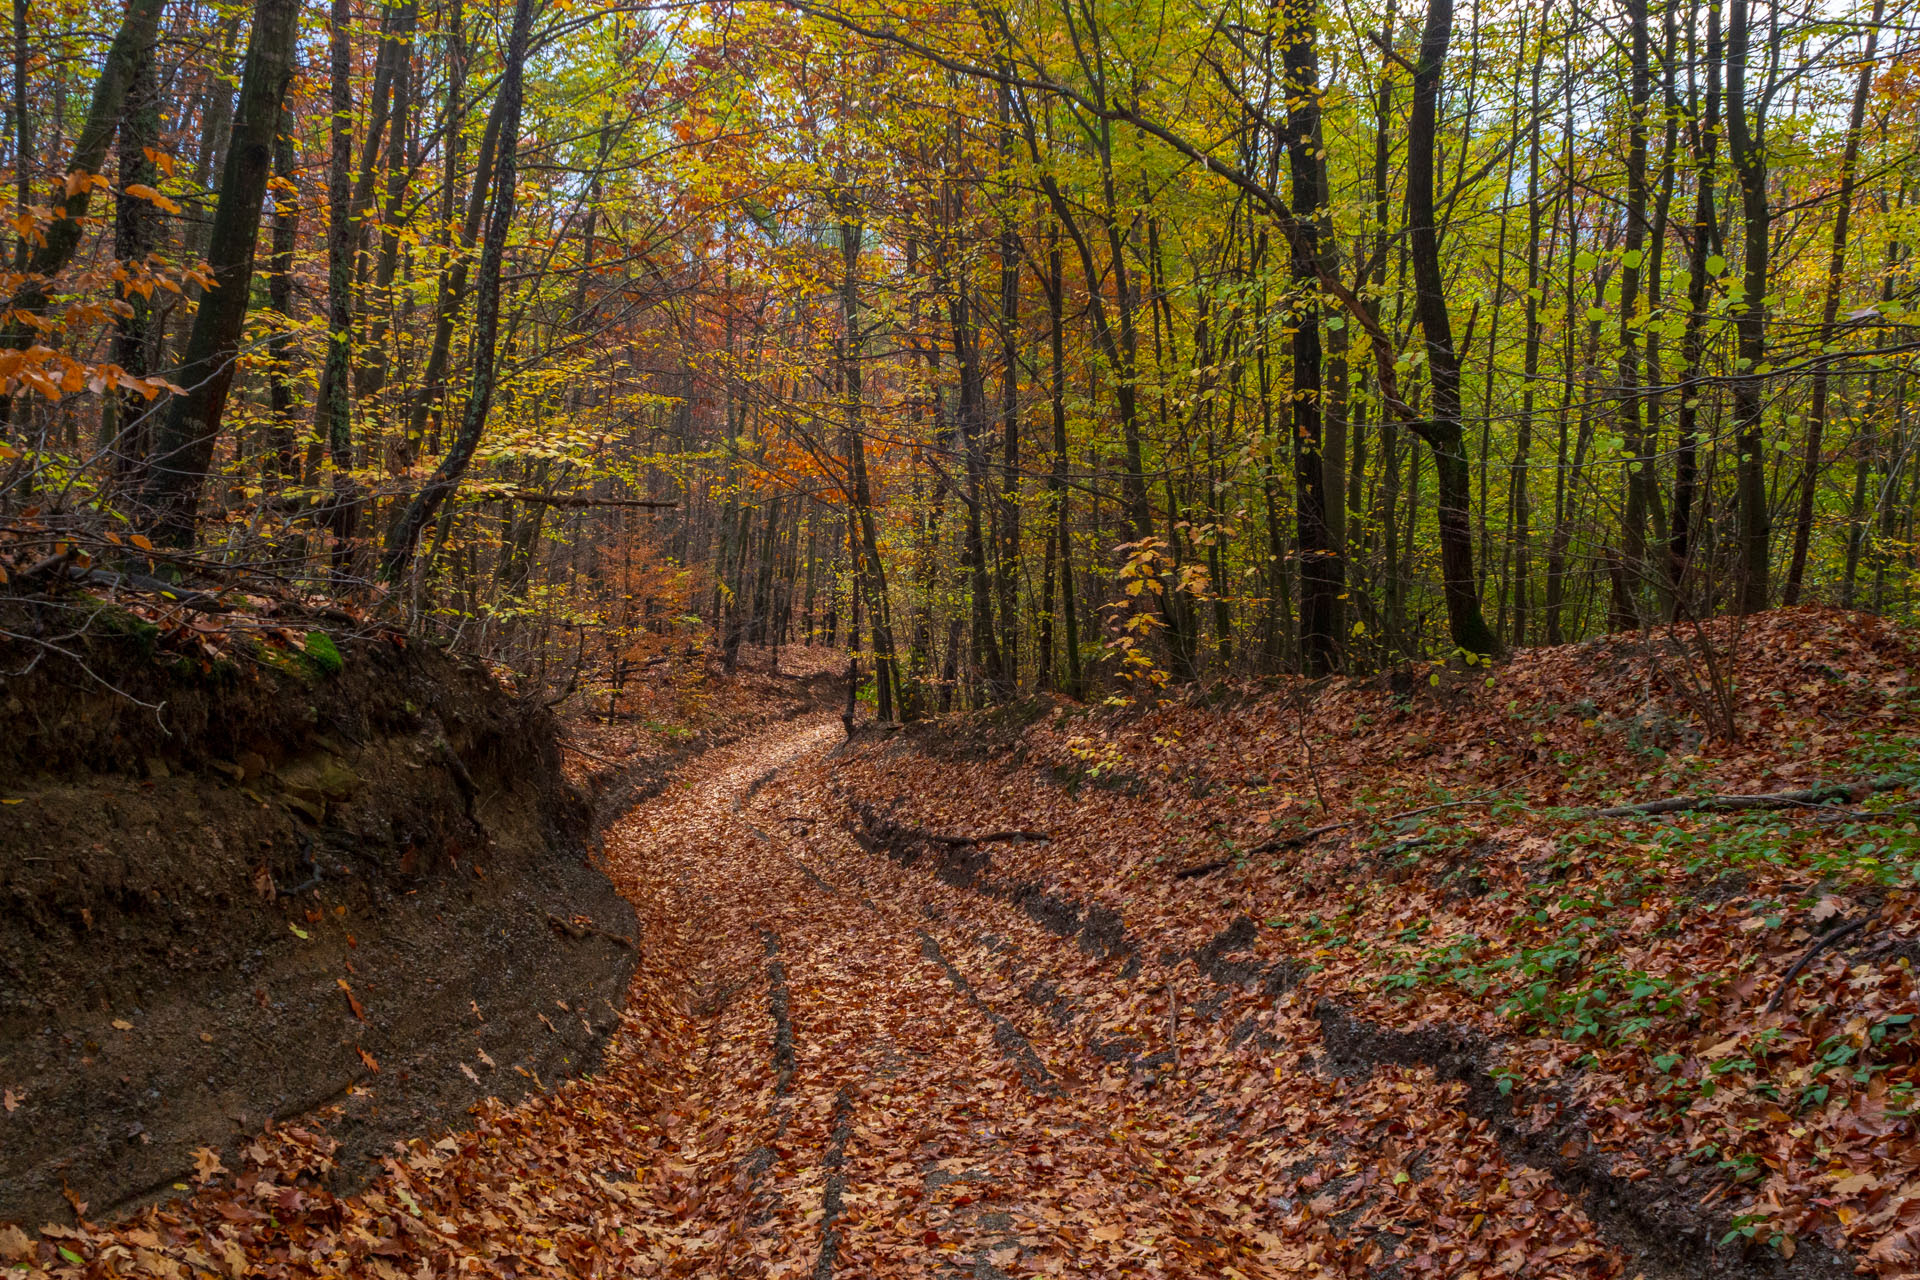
(22, 132)
(136, 235)
(286, 227)
(1830, 311)
(1520, 501)
(1322, 576)
(1633, 425)
(72, 192)
(405, 533)
(1057, 480)
(1693, 345)
(1746, 133)
(183, 445)
(1442, 431)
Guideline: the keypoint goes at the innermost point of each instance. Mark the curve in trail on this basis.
(856, 1102)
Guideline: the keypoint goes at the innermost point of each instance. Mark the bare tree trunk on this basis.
(1322, 577)
(183, 445)
(405, 532)
(70, 196)
(286, 228)
(136, 234)
(1633, 424)
(1686, 467)
(1442, 431)
(1746, 134)
(335, 401)
(1830, 310)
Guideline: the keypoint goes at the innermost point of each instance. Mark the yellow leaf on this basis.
(141, 191)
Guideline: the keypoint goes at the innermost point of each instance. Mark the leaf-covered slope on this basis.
(1711, 1010)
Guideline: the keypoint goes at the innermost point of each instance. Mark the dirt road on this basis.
(889, 1074)
(856, 1105)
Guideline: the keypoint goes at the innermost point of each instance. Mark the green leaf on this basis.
(1585, 261)
(1715, 264)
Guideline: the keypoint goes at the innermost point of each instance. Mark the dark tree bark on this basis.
(1322, 577)
(1520, 508)
(871, 571)
(1633, 425)
(136, 234)
(286, 228)
(22, 131)
(453, 287)
(370, 374)
(1442, 430)
(1746, 133)
(73, 191)
(1693, 345)
(183, 445)
(336, 400)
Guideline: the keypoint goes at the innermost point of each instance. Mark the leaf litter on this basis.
(1410, 1046)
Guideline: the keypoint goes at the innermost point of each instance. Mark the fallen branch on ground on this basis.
(582, 751)
(1204, 869)
(1818, 794)
(1822, 943)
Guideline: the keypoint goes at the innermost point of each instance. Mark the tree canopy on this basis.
(1063, 344)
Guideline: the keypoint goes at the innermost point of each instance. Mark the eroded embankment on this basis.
(284, 885)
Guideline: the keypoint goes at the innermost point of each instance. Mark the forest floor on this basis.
(1354, 978)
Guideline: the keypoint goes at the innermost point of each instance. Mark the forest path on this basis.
(856, 1099)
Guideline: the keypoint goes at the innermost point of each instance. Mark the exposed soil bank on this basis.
(228, 911)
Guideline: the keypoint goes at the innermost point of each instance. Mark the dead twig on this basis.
(1820, 944)
(579, 927)
(1204, 869)
(582, 751)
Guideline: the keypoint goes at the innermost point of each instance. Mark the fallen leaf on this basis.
(206, 1164)
(1854, 1185)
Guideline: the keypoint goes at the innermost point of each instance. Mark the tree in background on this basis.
(1011, 346)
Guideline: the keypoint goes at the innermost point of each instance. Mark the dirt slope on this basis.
(353, 890)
